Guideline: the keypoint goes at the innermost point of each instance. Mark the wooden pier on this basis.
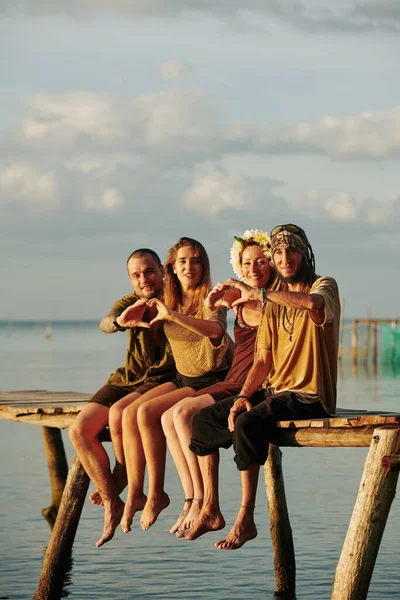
(369, 346)
(378, 431)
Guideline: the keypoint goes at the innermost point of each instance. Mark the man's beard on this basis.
(297, 277)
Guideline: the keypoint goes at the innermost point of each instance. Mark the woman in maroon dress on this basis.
(250, 255)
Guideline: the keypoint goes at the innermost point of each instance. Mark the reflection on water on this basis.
(321, 486)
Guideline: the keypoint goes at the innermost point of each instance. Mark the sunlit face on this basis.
(145, 276)
(256, 269)
(187, 267)
(289, 263)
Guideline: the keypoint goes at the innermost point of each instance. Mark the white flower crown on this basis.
(258, 236)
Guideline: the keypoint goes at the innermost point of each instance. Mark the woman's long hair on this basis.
(172, 286)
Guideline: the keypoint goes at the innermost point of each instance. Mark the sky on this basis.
(130, 123)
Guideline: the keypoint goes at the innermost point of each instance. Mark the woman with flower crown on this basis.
(250, 255)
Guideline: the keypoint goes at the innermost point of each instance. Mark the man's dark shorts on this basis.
(110, 394)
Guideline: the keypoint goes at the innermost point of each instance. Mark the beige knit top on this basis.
(194, 354)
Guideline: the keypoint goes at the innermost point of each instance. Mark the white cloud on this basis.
(309, 16)
(109, 201)
(342, 207)
(22, 181)
(213, 192)
(174, 71)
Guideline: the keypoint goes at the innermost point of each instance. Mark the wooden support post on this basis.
(58, 551)
(354, 340)
(366, 336)
(281, 531)
(58, 470)
(340, 349)
(374, 345)
(375, 496)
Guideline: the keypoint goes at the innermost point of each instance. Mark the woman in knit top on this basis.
(250, 255)
(202, 351)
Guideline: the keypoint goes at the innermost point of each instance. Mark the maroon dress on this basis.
(243, 356)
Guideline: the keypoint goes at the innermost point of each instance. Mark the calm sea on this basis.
(321, 487)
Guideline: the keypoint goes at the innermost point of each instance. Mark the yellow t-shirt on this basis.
(304, 354)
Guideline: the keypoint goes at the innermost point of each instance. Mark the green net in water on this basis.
(390, 343)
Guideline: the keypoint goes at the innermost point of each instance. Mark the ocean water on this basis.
(321, 487)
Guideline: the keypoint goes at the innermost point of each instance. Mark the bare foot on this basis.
(95, 498)
(181, 518)
(131, 507)
(152, 509)
(192, 515)
(205, 522)
(112, 517)
(242, 531)
(120, 481)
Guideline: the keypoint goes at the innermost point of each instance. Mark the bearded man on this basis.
(148, 363)
(296, 359)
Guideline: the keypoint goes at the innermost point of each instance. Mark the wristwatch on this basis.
(117, 325)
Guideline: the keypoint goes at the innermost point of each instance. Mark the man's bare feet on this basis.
(112, 517)
(95, 498)
(186, 508)
(206, 521)
(152, 509)
(131, 507)
(192, 515)
(120, 481)
(243, 530)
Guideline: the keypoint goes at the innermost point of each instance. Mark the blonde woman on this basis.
(250, 256)
(202, 351)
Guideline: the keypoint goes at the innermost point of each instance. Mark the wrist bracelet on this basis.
(117, 325)
(237, 397)
(263, 299)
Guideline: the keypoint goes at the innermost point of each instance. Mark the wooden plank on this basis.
(329, 437)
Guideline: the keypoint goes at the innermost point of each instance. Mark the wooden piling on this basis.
(280, 529)
(58, 551)
(374, 343)
(58, 470)
(354, 340)
(375, 496)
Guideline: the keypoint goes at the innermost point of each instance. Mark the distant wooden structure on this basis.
(379, 431)
(370, 345)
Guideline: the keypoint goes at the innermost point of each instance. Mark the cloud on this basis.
(309, 17)
(25, 182)
(174, 71)
(345, 207)
(110, 201)
(213, 192)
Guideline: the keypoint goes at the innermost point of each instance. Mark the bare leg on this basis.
(115, 424)
(134, 454)
(183, 413)
(244, 528)
(210, 517)
(149, 420)
(83, 433)
(180, 463)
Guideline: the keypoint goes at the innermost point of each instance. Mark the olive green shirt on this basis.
(148, 356)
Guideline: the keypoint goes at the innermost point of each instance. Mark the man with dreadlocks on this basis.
(296, 357)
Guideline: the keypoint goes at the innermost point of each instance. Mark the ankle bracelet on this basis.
(247, 506)
(189, 500)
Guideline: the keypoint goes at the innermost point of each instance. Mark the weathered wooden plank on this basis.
(332, 437)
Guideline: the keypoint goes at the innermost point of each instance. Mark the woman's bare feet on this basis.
(206, 521)
(184, 512)
(95, 498)
(131, 507)
(192, 515)
(243, 530)
(152, 509)
(112, 518)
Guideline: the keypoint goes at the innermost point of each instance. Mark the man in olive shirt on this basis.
(148, 363)
(297, 350)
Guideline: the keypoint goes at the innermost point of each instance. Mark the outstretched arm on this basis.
(106, 324)
(254, 380)
(210, 329)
